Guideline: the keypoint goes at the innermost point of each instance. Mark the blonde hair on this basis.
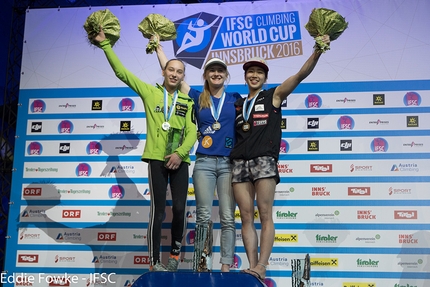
(205, 96)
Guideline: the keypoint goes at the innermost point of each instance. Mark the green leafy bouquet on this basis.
(322, 22)
(156, 24)
(103, 19)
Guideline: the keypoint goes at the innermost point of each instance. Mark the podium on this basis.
(197, 279)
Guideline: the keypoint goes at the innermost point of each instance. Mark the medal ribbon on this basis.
(216, 112)
(168, 115)
(247, 111)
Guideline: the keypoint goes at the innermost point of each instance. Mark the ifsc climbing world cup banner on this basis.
(235, 39)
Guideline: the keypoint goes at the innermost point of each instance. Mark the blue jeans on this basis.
(210, 173)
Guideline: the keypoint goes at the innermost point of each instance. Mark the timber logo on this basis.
(236, 39)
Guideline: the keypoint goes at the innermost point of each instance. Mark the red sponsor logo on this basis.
(405, 214)
(321, 168)
(28, 258)
(360, 191)
(59, 281)
(260, 116)
(365, 214)
(106, 236)
(320, 191)
(69, 213)
(141, 259)
(32, 191)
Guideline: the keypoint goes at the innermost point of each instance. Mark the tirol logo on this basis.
(379, 145)
(236, 39)
(412, 121)
(313, 145)
(94, 148)
(345, 145)
(141, 259)
(405, 214)
(106, 236)
(34, 148)
(37, 106)
(71, 213)
(321, 168)
(412, 99)
(65, 127)
(126, 105)
(285, 147)
(36, 127)
(313, 123)
(64, 148)
(378, 99)
(358, 191)
(116, 192)
(313, 101)
(345, 123)
(97, 105)
(55, 281)
(83, 169)
(32, 191)
(28, 258)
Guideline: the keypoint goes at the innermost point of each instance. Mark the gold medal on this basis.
(246, 127)
(216, 126)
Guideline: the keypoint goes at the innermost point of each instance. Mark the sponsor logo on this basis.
(105, 259)
(34, 148)
(325, 238)
(367, 263)
(407, 239)
(37, 106)
(360, 168)
(413, 144)
(28, 258)
(284, 168)
(94, 148)
(412, 121)
(358, 191)
(65, 127)
(141, 259)
(379, 122)
(412, 99)
(379, 145)
(116, 192)
(313, 123)
(97, 105)
(324, 262)
(126, 105)
(67, 105)
(365, 215)
(36, 127)
(371, 239)
(61, 259)
(286, 215)
(378, 99)
(393, 190)
(286, 238)
(59, 281)
(320, 191)
(71, 213)
(405, 214)
(125, 126)
(69, 236)
(357, 284)
(83, 170)
(283, 123)
(313, 101)
(405, 167)
(345, 100)
(345, 145)
(32, 191)
(284, 147)
(64, 148)
(321, 168)
(106, 236)
(280, 261)
(345, 123)
(313, 145)
(95, 126)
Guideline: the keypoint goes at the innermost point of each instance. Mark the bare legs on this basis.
(264, 191)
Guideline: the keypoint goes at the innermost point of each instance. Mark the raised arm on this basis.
(162, 60)
(292, 82)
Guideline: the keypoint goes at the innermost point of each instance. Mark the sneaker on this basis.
(172, 264)
(157, 267)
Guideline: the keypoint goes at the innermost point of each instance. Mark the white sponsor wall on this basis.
(354, 159)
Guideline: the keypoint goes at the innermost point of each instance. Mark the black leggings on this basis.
(159, 177)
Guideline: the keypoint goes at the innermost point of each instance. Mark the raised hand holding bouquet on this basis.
(322, 22)
(157, 28)
(106, 20)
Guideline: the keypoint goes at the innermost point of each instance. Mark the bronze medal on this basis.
(246, 127)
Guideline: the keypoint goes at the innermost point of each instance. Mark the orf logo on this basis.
(38, 106)
(126, 104)
(106, 236)
(313, 101)
(34, 148)
(28, 258)
(141, 259)
(194, 37)
(32, 191)
(65, 127)
(76, 213)
(345, 123)
(83, 169)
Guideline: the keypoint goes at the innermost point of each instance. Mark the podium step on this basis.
(197, 279)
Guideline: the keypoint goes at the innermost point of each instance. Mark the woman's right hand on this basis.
(98, 37)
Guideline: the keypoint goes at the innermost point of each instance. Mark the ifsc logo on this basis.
(194, 37)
